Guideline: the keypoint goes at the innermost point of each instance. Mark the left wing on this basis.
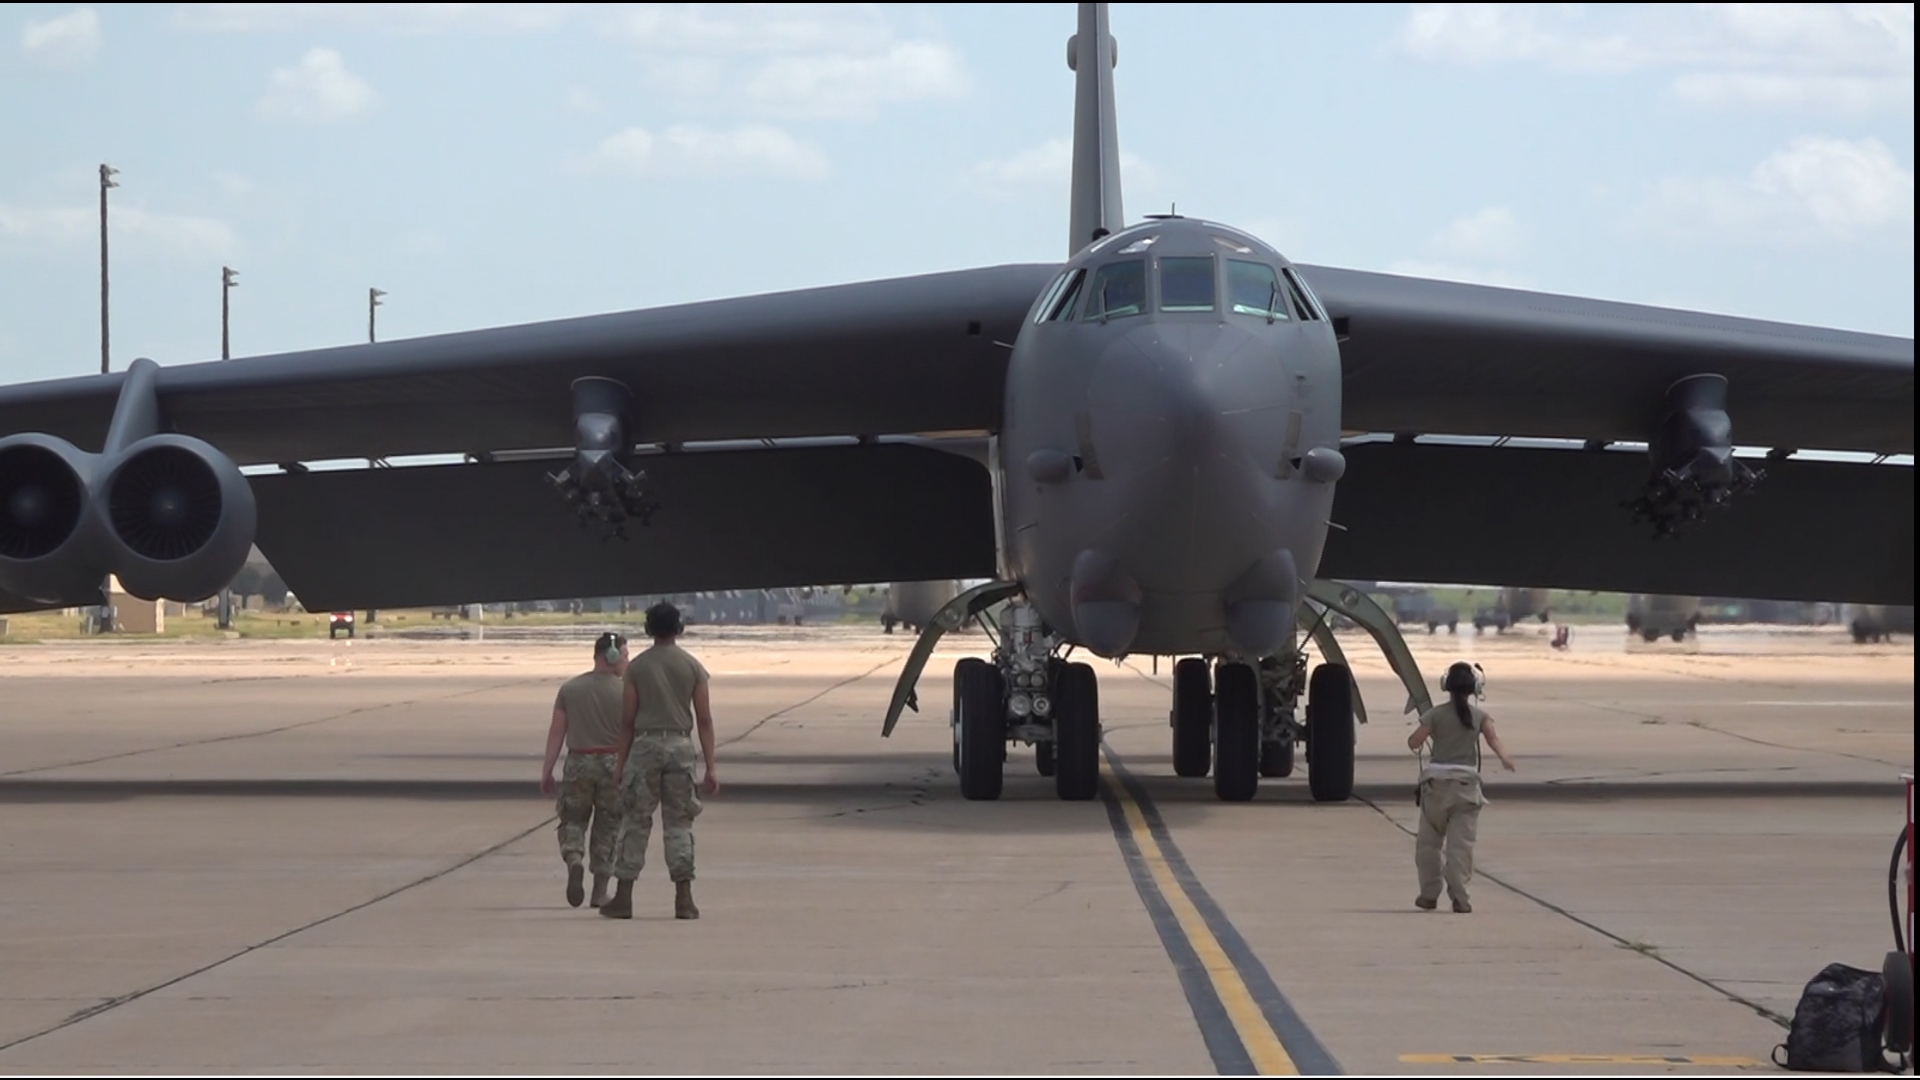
(1438, 357)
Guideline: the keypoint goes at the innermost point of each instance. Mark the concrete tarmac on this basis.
(313, 856)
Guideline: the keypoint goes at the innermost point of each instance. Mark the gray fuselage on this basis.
(1170, 444)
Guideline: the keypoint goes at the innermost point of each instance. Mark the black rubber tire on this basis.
(1236, 732)
(1076, 732)
(1679, 635)
(1649, 636)
(1192, 718)
(983, 728)
(1330, 733)
(1043, 758)
(1276, 759)
(1898, 975)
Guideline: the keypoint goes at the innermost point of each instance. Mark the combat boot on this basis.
(575, 893)
(621, 906)
(683, 901)
(599, 890)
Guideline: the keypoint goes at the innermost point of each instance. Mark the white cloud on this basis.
(232, 183)
(388, 18)
(1817, 190)
(319, 89)
(581, 99)
(1493, 233)
(840, 84)
(64, 43)
(171, 234)
(1049, 165)
(1850, 56)
(811, 60)
(689, 150)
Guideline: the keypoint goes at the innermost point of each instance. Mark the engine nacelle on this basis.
(178, 516)
(51, 539)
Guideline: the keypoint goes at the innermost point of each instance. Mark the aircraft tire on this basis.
(1679, 635)
(1330, 733)
(1236, 732)
(1897, 973)
(1076, 733)
(1192, 718)
(982, 742)
(1043, 758)
(1276, 759)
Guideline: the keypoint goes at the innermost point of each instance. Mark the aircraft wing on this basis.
(905, 355)
(1437, 357)
(866, 366)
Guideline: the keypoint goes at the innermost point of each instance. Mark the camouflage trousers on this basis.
(589, 792)
(659, 775)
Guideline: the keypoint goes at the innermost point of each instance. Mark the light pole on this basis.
(227, 274)
(106, 181)
(373, 301)
(223, 611)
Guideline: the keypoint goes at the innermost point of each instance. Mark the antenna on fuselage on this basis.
(1096, 138)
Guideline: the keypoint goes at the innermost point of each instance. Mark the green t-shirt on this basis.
(663, 678)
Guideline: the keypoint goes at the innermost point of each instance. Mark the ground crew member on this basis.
(1450, 796)
(586, 716)
(665, 701)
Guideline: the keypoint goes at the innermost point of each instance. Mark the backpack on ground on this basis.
(1837, 1025)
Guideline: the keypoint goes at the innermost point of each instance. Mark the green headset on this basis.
(609, 646)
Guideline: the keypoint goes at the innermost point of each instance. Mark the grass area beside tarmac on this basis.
(193, 625)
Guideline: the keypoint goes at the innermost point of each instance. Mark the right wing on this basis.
(901, 356)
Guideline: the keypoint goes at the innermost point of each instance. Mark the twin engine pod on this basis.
(169, 515)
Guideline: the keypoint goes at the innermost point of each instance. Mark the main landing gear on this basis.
(1233, 718)
(1025, 694)
(1237, 720)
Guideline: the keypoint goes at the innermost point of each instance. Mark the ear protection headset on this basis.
(1465, 678)
(610, 645)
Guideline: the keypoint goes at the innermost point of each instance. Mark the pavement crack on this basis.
(112, 1003)
(762, 722)
(1649, 951)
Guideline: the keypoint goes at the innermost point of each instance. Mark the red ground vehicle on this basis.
(338, 621)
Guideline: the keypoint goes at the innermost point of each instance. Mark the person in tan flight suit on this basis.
(665, 703)
(586, 716)
(1450, 795)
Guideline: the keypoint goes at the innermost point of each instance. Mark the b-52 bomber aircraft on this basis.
(1171, 444)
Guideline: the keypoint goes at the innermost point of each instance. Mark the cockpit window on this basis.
(1254, 289)
(1118, 289)
(1186, 283)
(1302, 298)
(1060, 298)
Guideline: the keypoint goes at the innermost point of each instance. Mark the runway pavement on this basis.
(332, 856)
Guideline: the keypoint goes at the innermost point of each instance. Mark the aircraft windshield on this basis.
(1060, 298)
(1118, 289)
(1186, 283)
(1254, 289)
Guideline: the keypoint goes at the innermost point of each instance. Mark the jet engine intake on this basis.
(179, 515)
(598, 485)
(49, 536)
(1694, 469)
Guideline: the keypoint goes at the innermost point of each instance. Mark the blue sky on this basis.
(494, 164)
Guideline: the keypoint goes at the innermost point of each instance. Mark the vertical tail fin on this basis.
(1096, 139)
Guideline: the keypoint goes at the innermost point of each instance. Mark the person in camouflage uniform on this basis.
(586, 717)
(664, 704)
